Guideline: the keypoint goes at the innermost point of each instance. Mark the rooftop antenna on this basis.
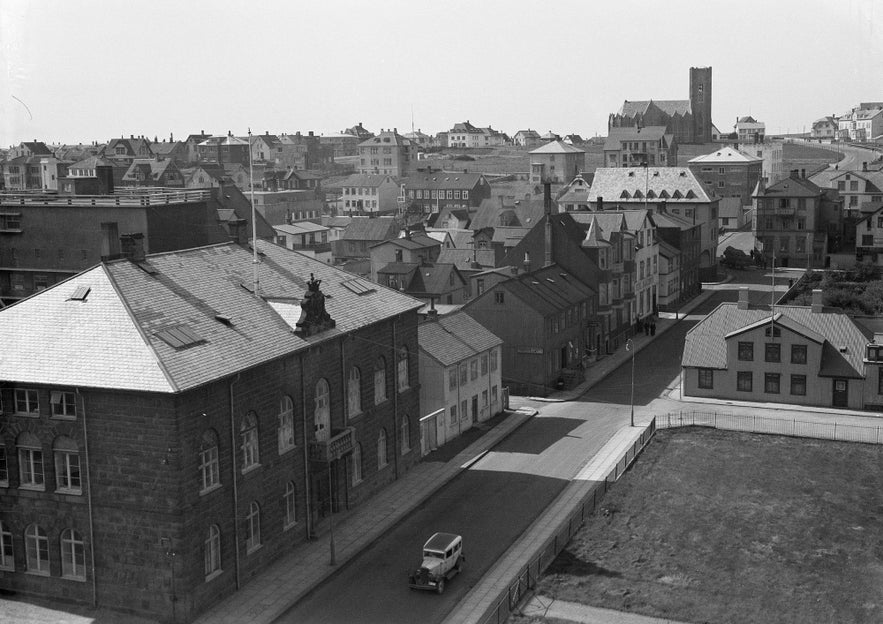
(412, 119)
(254, 236)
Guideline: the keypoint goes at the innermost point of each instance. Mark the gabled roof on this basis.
(628, 184)
(548, 290)
(371, 229)
(726, 155)
(521, 213)
(454, 338)
(465, 259)
(616, 135)
(189, 321)
(706, 343)
(873, 178)
(415, 241)
(387, 137)
(792, 187)
(432, 279)
(38, 148)
(557, 147)
(363, 180)
(669, 107)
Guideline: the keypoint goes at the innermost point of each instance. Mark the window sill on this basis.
(37, 572)
(78, 579)
(290, 525)
(32, 488)
(357, 483)
(69, 492)
(253, 549)
(27, 414)
(210, 489)
(63, 417)
(287, 449)
(250, 469)
(214, 575)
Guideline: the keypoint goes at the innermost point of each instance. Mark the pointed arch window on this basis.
(290, 505)
(212, 552)
(322, 414)
(402, 369)
(253, 536)
(209, 466)
(248, 439)
(354, 392)
(379, 380)
(285, 429)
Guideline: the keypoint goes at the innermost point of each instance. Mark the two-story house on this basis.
(156, 172)
(556, 162)
(727, 172)
(388, 153)
(460, 377)
(414, 248)
(367, 194)
(635, 146)
(428, 192)
(360, 234)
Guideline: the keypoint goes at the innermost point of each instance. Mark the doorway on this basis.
(840, 395)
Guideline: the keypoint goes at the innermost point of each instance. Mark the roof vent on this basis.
(843, 349)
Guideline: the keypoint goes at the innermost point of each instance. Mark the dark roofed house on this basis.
(159, 172)
(228, 398)
(360, 235)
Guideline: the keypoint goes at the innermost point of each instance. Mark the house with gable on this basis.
(869, 237)
(676, 189)
(858, 188)
(804, 355)
(388, 153)
(527, 138)
(727, 172)
(416, 248)
(367, 194)
(428, 192)
(124, 150)
(556, 162)
(229, 419)
(430, 282)
(460, 381)
(635, 146)
(360, 235)
(161, 172)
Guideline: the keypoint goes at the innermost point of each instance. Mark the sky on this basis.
(91, 70)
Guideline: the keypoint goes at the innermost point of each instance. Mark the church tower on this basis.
(700, 103)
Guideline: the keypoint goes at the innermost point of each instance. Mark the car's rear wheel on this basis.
(441, 586)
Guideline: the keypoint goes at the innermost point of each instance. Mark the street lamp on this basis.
(630, 346)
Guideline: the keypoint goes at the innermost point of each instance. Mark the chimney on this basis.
(803, 174)
(547, 242)
(865, 165)
(526, 262)
(238, 231)
(817, 306)
(743, 298)
(600, 202)
(132, 246)
(547, 197)
(432, 313)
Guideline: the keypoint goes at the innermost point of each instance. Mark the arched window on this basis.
(381, 449)
(30, 462)
(67, 466)
(286, 424)
(212, 548)
(208, 461)
(6, 560)
(402, 369)
(322, 416)
(248, 438)
(73, 555)
(380, 380)
(290, 503)
(354, 393)
(357, 463)
(37, 550)
(406, 434)
(253, 537)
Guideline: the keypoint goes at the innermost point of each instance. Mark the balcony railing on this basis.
(340, 443)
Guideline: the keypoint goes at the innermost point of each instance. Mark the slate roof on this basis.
(792, 187)
(669, 107)
(431, 279)
(367, 180)
(454, 338)
(557, 147)
(628, 184)
(525, 213)
(705, 344)
(371, 229)
(38, 148)
(873, 178)
(615, 136)
(301, 227)
(385, 138)
(548, 290)
(463, 258)
(110, 340)
(726, 155)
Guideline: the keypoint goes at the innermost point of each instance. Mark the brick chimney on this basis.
(238, 229)
(132, 246)
(742, 304)
(817, 306)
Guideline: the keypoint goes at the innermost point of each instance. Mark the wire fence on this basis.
(751, 423)
(508, 599)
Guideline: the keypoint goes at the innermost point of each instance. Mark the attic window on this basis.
(843, 349)
(624, 195)
(179, 337)
(690, 194)
(683, 174)
(651, 194)
(663, 194)
(358, 286)
(631, 174)
(677, 195)
(80, 293)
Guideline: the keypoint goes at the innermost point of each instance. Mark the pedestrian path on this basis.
(573, 612)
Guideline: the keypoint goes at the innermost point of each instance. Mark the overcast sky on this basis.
(83, 70)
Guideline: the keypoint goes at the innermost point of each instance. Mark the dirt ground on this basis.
(726, 527)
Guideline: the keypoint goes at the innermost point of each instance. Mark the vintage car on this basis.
(442, 560)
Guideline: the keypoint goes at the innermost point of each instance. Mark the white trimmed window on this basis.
(357, 463)
(6, 560)
(402, 369)
(290, 505)
(27, 402)
(37, 550)
(286, 424)
(67, 466)
(248, 439)
(354, 393)
(30, 462)
(493, 359)
(253, 537)
(212, 548)
(380, 380)
(209, 466)
(322, 415)
(406, 434)
(73, 555)
(381, 450)
(64, 404)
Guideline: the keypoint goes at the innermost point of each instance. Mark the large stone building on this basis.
(727, 172)
(388, 153)
(688, 120)
(556, 162)
(638, 146)
(170, 425)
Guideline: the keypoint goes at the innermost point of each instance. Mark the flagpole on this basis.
(254, 236)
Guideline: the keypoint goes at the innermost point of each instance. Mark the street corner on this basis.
(527, 411)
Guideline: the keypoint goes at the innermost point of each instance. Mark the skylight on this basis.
(80, 293)
(358, 286)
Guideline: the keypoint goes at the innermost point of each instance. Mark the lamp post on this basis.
(630, 346)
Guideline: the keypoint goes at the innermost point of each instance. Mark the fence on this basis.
(829, 430)
(507, 600)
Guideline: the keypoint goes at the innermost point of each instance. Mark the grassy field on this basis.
(724, 527)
